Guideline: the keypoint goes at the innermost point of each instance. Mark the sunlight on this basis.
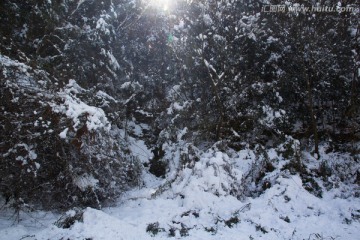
(164, 5)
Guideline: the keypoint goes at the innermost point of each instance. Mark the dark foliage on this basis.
(204, 72)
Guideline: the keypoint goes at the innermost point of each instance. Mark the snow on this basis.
(23, 33)
(181, 133)
(134, 85)
(274, 57)
(207, 20)
(176, 106)
(104, 95)
(353, 32)
(280, 99)
(32, 155)
(197, 205)
(112, 61)
(271, 39)
(37, 165)
(7, 62)
(86, 181)
(147, 114)
(74, 108)
(218, 38)
(271, 115)
(206, 198)
(102, 26)
(63, 133)
(140, 150)
(95, 116)
(125, 85)
(180, 26)
(208, 65)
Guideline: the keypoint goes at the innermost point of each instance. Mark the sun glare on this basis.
(165, 5)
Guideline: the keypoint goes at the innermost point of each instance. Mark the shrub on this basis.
(57, 151)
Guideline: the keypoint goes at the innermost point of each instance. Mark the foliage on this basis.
(59, 152)
(75, 74)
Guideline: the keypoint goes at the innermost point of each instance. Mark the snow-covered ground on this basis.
(197, 205)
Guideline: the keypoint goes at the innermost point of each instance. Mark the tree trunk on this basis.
(313, 117)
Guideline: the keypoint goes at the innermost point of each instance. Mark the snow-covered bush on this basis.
(56, 150)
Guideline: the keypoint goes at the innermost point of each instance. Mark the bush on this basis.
(69, 218)
(57, 151)
(154, 229)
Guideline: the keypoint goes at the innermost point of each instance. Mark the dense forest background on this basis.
(81, 81)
